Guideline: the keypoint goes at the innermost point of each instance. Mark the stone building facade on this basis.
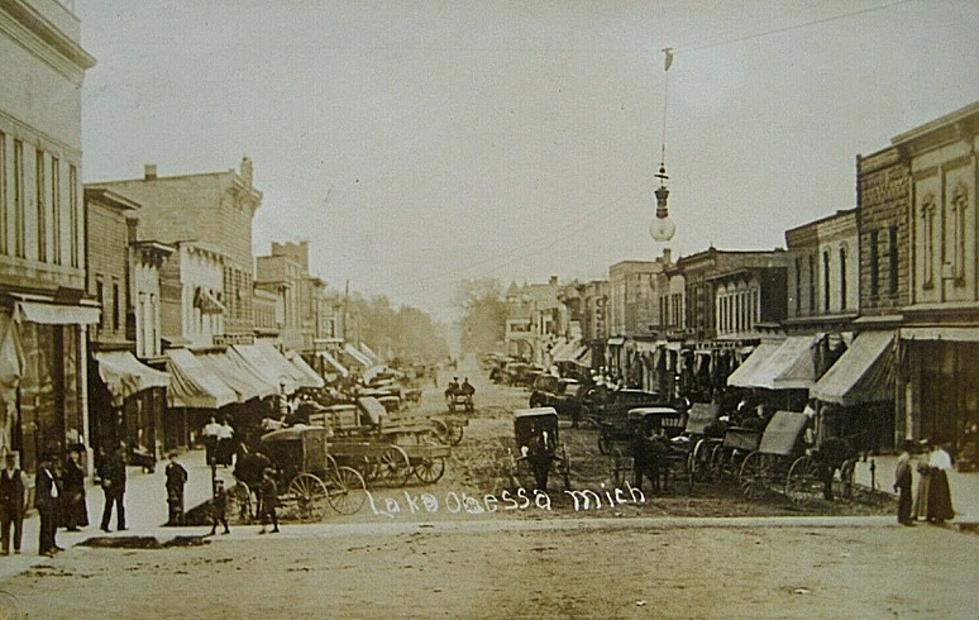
(44, 307)
(633, 308)
(191, 295)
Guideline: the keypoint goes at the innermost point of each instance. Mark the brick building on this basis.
(215, 209)
(44, 309)
(192, 308)
(285, 272)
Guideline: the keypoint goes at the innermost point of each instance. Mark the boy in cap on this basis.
(219, 507)
(270, 497)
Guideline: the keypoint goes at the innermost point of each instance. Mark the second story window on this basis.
(892, 257)
(116, 307)
(42, 225)
(3, 193)
(843, 278)
(874, 264)
(73, 215)
(826, 297)
(812, 284)
(56, 210)
(798, 285)
(20, 250)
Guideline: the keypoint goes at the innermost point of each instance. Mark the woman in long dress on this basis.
(939, 496)
(920, 510)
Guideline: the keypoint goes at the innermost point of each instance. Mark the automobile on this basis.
(561, 393)
(600, 403)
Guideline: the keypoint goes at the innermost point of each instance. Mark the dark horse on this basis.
(249, 467)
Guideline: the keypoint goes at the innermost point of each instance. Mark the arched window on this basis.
(843, 277)
(826, 295)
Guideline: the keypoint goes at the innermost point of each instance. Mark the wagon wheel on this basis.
(844, 486)
(688, 472)
(616, 474)
(395, 466)
(347, 492)
(565, 467)
(451, 434)
(700, 460)
(241, 501)
(604, 443)
(331, 466)
(311, 496)
(429, 469)
(752, 475)
(804, 484)
(367, 467)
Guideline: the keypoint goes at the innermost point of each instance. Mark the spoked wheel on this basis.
(715, 467)
(395, 466)
(565, 468)
(311, 497)
(348, 491)
(367, 467)
(241, 502)
(451, 433)
(429, 470)
(804, 484)
(752, 476)
(700, 460)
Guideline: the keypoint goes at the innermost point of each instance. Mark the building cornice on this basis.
(43, 32)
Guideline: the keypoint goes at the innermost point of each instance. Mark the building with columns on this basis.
(45, 310)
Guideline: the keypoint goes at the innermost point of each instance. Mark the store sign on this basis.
(224, 340)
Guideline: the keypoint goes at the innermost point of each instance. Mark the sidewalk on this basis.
(964, 486)
(146, 509)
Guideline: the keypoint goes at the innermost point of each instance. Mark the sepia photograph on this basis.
(489, 309)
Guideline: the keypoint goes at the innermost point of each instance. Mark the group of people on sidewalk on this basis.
(933, 500)
(59, 498)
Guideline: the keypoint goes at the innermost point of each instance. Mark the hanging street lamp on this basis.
(662, 227)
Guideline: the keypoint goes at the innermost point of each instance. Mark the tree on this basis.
(484, 311)
(405, 331)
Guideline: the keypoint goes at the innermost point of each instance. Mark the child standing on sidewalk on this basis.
(219, 507)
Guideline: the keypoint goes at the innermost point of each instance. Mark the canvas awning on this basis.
(56, 314)
(310, 377)
(284, 366)
(207, 302)
(366, 350)
(124, 375)
(235, 375)
(357, 356)
(568, 352)
(332, 362)
(863, 374)
(790, 366)
(263, 360)
(372, 372)
(743, 375)
(11, 360)
(194, 386)
(953, 334)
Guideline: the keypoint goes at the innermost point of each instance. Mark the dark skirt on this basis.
(939, 496)
(74, 510)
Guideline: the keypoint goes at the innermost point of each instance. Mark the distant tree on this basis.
(483, 313)
(405, 331)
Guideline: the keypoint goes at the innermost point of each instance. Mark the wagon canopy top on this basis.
(535, 413)
(293, 433)
(782, 433)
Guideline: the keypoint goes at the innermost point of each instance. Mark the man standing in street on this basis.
(219, 507)
(114, 486)
(211, 431)
(270, 498)
(13, 502)
(176, 479)
(46, 502)
(902, 484)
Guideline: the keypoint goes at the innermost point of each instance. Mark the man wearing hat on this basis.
(13, 502)
(902, 484)
(46, 501)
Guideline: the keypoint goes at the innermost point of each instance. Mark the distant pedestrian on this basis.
(13, 502)
(176, 479)
(902, 484)
(270, 498)
(226, 438)
(219, 507)
(46, 501)
(113, 476)
(74, 508)
(211, 431)
(939, 496)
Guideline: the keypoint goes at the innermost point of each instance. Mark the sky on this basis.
(416, 144)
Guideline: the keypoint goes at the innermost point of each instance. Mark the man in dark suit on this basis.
(46, 500)
(113, 476)
(13, 502)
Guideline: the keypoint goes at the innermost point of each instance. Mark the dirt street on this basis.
(507, 569)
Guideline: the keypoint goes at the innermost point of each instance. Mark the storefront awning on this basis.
(235, 375)
(310, 377)
(584, 358)
(286, 368)
(744, 375)
(357, 356)
(952, 334)
(124, 375)
(192, 385)
(207, 302)
(366, 350)
(567, 352)
(863, 374)
(792, 367)
(55, 314)
(333, 363)
(264, 360)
